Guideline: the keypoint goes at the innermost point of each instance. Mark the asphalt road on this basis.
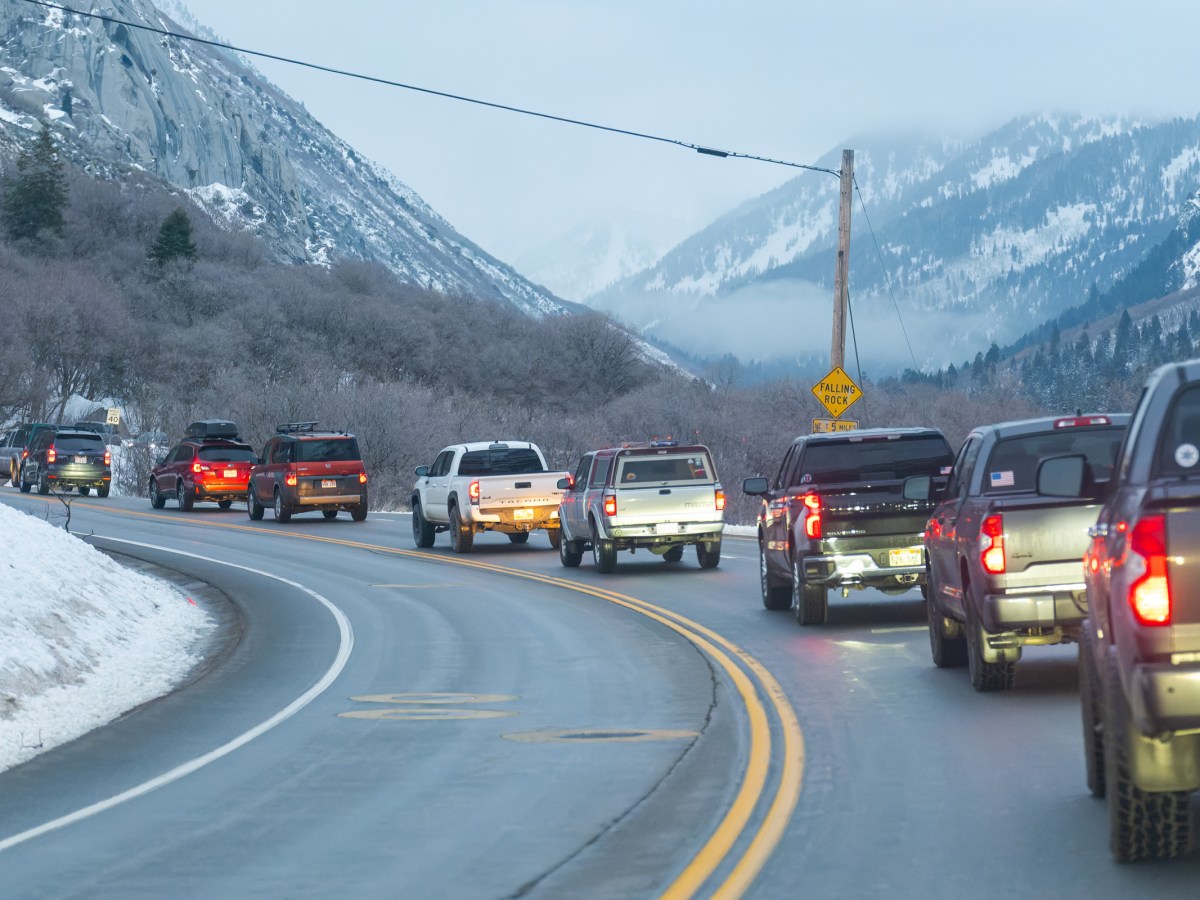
(386, 722)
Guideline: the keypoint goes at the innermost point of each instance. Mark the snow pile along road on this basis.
(82, 639)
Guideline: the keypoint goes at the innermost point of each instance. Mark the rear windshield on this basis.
(1179, 451)
(1014, 461)
(227, 454)
(327, 450)
(506, 461)
(873, 460)
(70, 443)
(634, 470)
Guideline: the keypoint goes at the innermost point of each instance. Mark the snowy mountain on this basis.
(960, 244)
(208, 124)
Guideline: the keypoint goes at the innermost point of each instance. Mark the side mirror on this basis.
(564, 484)
(421, 471)
(918, 487)
(755, 487)
(1061, 476)
(162, 459)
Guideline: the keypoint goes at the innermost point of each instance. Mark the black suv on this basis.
(305, 470)
(66, 457)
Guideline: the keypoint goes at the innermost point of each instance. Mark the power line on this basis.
(707, 151)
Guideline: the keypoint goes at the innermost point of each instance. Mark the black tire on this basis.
(43, 484)
(1142, 825)
(1093, 722)
(329, 513)
(555, 535)
(775, 596)
(283, 512)
(985, 676)
(423, 533)
(254, 509)
(709, 554)
(675, 554)
(101, 491)
(359, 513)
(604, 554)
(570, 554)
(25, 485)
(157, 500)
(461, 539)
(84, 491)
(521, 537)
(224, 504)
(185, 499)
(810, 600)
(948, 652)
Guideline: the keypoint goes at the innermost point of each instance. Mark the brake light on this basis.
(196, 467)
(610, 504)
(473, 492)
(107, 457)
(991, 543)
(24, 453)
(1077, 421)
(720, 500)
(1150, 592)
(812, 515)
(51, 454)
(290, 479)
(362, 477)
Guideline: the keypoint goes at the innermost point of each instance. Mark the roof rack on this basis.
(293, 427)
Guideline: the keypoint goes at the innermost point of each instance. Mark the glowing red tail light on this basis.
(362, 477)
(196, 468)
(107, 457)
(290, 479)
(812, 515)
(51, 454)
(991, 545)
(720, 500)
(473, 492)
(610, 504)
(1150, 592)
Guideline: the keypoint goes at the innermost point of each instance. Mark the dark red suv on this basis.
(209, 465)
(305, 470)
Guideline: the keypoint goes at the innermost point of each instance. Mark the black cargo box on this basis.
(212, 428)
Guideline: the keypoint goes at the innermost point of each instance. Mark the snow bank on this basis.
(82, 639)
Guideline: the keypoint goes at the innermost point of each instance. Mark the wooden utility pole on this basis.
(842, 273)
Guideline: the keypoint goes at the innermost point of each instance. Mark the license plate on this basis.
(908, 556)
(328, 483)
(81, 459)
(522, 513)
(666, 528)
(231, 473)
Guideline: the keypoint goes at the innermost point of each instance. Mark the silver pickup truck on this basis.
(658, 496)
(1005, 552)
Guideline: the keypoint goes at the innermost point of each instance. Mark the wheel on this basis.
(185, 499)
(708, 554)
(84, 491)
(946, 642)
(254, 509)
(43, 484)
(461, 539)
(25, 485)
(604, 554)
(101, 491)
(570, 554)
(985, 676)
(555, 535)
(423, 533)
(521, 537)
(1141, 824)
(282, 512)
(1093, 723)
(157, 500)
(774, 596)
(675, 554)
(224, 504)
(359, 513)
(329, 513)
(811, 600)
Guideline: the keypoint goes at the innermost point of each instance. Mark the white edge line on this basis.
(346, 644)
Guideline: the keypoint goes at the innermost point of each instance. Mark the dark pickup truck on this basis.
(846, 510)
(1005, 548)
(1139, 649)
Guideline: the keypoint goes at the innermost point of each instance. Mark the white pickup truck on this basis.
(486, 486)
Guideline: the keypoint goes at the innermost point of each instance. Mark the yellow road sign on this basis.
(837, 392)
(823, 426)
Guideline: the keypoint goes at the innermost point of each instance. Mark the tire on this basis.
(359, 513)
(985, 676)
(254, 509)
(811, 600)
(329, 513)
(947, 652)
(185, 499)
(1093, 722)
(709, 554)
(521, 537)
(84, 491)
(101, 491)
(423, 533)
(555, 535)
(25, 485)
(282, 512)
(43, 484)
(675, 554)
(775, 596)
(461, 539)
(604, 554)
(157, 500)
(1142, 825)
(570, 554)
(224, 504)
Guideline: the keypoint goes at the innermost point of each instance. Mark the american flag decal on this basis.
(1002, 479)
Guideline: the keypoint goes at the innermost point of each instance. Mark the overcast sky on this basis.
(789, 80)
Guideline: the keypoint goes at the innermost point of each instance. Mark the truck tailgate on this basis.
(677, 503)
(1044, 539)
(1180, 503)
(872, 510)
(513, 491)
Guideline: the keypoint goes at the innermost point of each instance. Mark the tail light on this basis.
(991, 546)
(24, 453)
(473, 492)
(1150, 591)
(610, 504)
(107, 457)
(196, 468)
(812, 515)
(720, 500)
(362, 477)
(290, 479)
(51, 454)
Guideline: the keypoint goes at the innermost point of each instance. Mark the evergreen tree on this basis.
(35, 197)
(174, 238)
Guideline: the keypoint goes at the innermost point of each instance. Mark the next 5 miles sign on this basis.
(837, 392)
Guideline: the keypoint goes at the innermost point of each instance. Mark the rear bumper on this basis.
(1057, 605)
(1165, 697)
(79, 475)
(328, 500)
(664, 534)
(506, 520)
(219, 491)
(863, 567)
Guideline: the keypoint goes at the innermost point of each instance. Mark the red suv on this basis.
(209, 465)
(305, 470)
